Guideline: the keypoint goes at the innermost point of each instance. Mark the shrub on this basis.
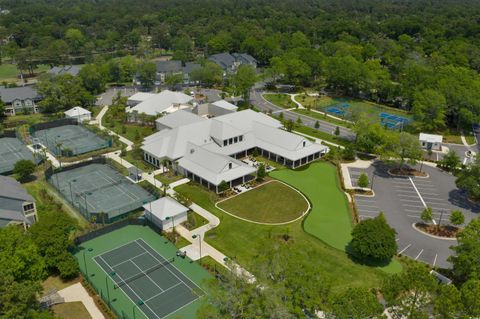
(363, 180)
(374, 239)
(457, 218)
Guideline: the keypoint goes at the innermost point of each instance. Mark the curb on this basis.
(432, 236)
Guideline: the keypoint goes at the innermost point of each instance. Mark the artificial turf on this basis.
(273, 202)
(329, 218)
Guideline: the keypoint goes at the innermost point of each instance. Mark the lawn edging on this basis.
(309, 206)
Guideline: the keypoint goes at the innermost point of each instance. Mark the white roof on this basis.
(213, 167)
(257, 129)
(430, 138)
(179, 118)
(225, 105)
(140, 96)
(159, 103)
(165, 207)
(77, 111)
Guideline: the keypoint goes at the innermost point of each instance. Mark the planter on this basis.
(442, 232)
(409, 172)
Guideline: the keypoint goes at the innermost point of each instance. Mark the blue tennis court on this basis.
(338, 109)
(392, 121)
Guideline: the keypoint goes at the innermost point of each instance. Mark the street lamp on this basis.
(199, 242)
(373, 178)
(85, 263)
(108, 291)
(86, 203)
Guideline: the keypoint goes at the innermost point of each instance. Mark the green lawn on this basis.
(132, 131)
(330, 218)
(168, 177)
(321, 135)
(243, 241)
(10, 72)
(194, 221)
(71, 310)
(470, 139)
(322, 117)
(280, 99)
(136, 158)
(273, 202)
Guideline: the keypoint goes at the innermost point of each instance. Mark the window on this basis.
(240, 138)
(225, 143)
(230, 141)
(229, 165)
(235, 139)
(304, 143)
(27, 207)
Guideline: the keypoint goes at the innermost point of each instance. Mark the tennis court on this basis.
(12, 150)
(70, 140)
(99, 190)
(393, 121)
(151, 281)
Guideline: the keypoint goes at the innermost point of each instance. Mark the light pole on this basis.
(85, 263)
(199, 242)
(71, 194)
(86, 203)
(373, 178)
(108, 290)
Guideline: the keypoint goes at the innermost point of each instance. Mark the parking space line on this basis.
(407, 196)
(362, 205)
(408, 246)
(408, 205)
(435, 260)
(421, 251)
(368, 211)
(420, 196)
(409, 200)
(434, 198)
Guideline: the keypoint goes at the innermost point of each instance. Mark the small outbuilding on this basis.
(135, 173)
(79, 113)
(431, 141)
(166, 212)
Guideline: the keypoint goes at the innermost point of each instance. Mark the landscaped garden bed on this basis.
(446, 231)
(407, 171)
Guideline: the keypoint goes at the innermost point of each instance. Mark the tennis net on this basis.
(144, 273)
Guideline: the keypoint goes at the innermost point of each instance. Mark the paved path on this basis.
(179, 182)
(77, 292)
(317, 140)
(98, 120)
(292, 97)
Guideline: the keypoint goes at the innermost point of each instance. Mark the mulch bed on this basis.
(406, 171)
(359, 191)
(446, 231)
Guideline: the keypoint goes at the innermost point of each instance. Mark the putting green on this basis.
(330, 218)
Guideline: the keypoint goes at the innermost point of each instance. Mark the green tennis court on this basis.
(150, 280)
(138, 275)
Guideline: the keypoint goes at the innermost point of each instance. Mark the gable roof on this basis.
(213, 167)
(66, 69)
(190, 66)
(222, 131)
(225, 60)
(225, 105)
(77, 111)
(10, 188)
(430, 138)
(179, 118)
(165, 207)
(8, 95)
(170, 66)
(159, 103)
(244, 58)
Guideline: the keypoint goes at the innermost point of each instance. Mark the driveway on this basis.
(402, 200)
(263, 105)
(107, 97)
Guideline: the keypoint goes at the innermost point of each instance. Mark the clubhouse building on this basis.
(207, 150)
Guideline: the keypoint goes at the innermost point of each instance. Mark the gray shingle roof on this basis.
(179, 118)
(190, 66)
(8, 95)
(171, 66)
(225, 60)
(67, 69)
(10, 188)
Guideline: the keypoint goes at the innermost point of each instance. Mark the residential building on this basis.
(79, 113)
(187, 72)
(157, 104)
(166, 212)
(66, 69)
(431, 141)
(167, 68)
(230, 62)
(19, 99)
(206, 150)
(16, 205)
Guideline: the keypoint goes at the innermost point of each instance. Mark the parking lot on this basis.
(402, 199)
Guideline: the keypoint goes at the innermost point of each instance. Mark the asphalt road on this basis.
(403, 199)
(263, 105)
